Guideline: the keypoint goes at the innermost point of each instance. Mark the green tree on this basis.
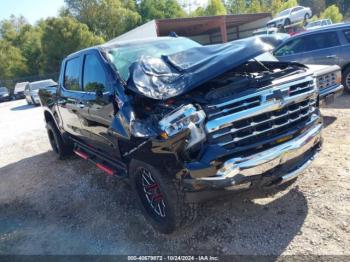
(215, 7)
(158, 9)
(255, 7)
(200, 11)
(13, 64)
(63, 36)
(27, 38)
(107, 18)
(317, 6)
(276, 6)
(332, 12)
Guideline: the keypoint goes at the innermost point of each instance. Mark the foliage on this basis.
(332, 12)
(107, 18)
(63, 36)
(12, 64)
(215, 7)
(236, 6)
(255, 7)
(158, 9)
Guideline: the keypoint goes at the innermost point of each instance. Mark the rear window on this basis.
(72, 74)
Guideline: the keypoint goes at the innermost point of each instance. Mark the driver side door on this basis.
(98, 110)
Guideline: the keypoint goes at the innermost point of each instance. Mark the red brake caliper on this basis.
(155, 195)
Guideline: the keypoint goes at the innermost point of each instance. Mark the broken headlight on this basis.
(185, 117)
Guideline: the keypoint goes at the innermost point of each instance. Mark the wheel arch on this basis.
(345, 67)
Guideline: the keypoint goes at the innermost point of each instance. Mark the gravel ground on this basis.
(69, 207)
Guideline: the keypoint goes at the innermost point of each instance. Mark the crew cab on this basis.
(184, 123)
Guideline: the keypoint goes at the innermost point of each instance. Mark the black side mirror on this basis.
(99, 93)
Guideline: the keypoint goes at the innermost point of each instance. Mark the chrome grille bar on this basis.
(255, 124)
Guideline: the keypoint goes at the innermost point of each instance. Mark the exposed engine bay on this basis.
(175, 114)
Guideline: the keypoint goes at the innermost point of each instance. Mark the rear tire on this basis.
(161, 198)
(346, 79)
(59, 146)
(306, 17)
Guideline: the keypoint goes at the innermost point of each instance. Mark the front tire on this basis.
(306, 17)
(346, 79)
(59, 146)
(160, 198)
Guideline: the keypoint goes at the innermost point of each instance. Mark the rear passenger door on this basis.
(69, 102)
(98, 102)
(324, 48)
(320, 48)
(344, 51)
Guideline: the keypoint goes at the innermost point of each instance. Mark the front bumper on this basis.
(270, 167)
(327, 95)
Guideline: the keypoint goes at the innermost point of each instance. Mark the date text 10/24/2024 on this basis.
(173, 258)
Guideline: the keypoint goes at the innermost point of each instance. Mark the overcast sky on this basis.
(33, 10)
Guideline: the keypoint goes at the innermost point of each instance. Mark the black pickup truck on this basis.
(184, 123)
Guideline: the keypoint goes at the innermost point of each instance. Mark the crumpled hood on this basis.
(176, 74)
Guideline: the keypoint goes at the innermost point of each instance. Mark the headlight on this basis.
(185, 117)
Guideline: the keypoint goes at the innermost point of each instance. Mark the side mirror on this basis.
(99, 93)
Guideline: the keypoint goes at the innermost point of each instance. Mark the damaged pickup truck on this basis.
(185, 123)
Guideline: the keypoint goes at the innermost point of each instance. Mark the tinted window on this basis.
(309, 43)
(292, 47)
(94, 75)
(297, 9)
(71, 75)
(347, 35)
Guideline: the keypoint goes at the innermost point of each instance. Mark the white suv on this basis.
(290, 16)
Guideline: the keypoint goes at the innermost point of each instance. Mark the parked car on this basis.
(318, 23)
(328, 78)
(32, 89)
(290, 16)
(18, 92)
(324, 46)
(4, 94)
(184, 123)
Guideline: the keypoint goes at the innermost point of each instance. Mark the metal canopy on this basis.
(207, 24)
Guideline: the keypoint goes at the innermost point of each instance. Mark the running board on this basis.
(106, 165)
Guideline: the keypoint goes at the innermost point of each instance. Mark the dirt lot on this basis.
(69, 207)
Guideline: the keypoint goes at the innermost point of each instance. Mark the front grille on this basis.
(234, 106)
(264, 126)
(230, 108)
(301, 88)
(327, 80)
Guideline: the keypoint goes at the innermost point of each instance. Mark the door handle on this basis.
(331, 56)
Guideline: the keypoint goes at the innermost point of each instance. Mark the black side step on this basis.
(111, 166)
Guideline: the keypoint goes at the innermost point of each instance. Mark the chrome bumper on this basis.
(236, 173)
(334, 91)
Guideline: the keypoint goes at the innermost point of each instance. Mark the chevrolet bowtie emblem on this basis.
(278, 95)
